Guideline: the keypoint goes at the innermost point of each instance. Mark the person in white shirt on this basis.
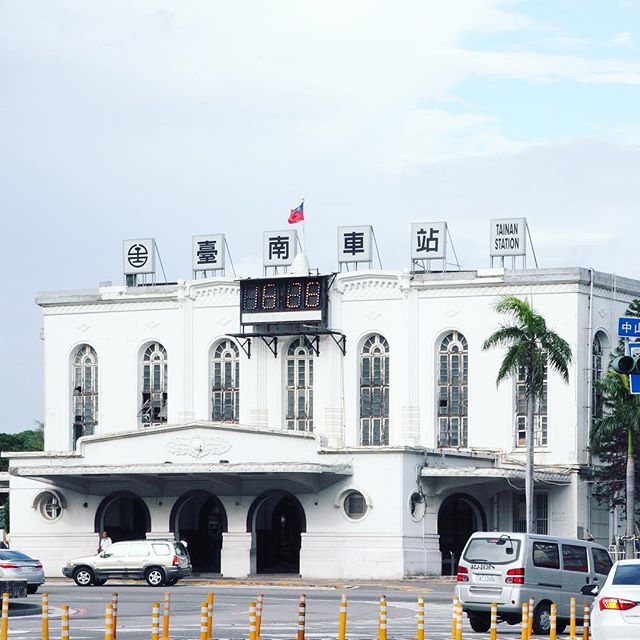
(105, 542)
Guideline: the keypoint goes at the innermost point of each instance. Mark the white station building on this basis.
(341, 426)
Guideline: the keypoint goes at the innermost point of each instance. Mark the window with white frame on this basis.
(85, 392)
(453, 367)
(374, 391)
(540, 513)
(299, 385)
(225, 382)
(596, 374)
(540, 413)
(153, 410)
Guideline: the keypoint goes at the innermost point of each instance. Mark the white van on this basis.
(509, 568)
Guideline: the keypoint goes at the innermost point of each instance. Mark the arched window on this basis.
(299, 365)
(596, 374)
(225, 382)
(85, 392)
(540, 415)
(154, 385)
(453, 371)
(374, 391)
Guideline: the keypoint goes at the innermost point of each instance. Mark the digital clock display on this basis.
(289, 299)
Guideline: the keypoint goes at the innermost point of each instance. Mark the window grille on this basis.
(596, 374)
(154, 385)
(85, 392)
(225, 384)
(540, 414)
(540, 513)
(453, 370)
(374, 392)
(299, 389)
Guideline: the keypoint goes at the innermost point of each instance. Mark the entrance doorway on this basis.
(459, 516)
(124, 516)
(199, 519)
(276, 520)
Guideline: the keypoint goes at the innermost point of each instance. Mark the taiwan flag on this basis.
(297, 214)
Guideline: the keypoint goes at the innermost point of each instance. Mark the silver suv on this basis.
(156, 561)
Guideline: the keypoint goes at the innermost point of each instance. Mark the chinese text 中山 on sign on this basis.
(508, 237)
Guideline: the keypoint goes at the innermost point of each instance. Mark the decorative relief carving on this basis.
(84, 327)
(228, 294)
(372, 289)
(108, 307)
(198, 447)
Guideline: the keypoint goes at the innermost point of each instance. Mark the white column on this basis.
(410, 434)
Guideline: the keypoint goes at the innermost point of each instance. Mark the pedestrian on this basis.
(105, 542)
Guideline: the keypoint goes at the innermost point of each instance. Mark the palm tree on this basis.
(531, 347)
(621, 412)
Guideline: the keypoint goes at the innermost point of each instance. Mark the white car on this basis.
(616, 609)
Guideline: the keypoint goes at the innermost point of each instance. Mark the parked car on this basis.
(616, 609)
(156, 561)
(15, 565)
(509, 568)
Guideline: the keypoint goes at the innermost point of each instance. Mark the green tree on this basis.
(531, 347)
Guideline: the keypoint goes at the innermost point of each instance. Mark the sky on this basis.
(140, 118)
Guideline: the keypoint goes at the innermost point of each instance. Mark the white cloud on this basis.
(623, 39)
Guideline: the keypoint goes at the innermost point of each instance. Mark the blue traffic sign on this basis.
(629, 327)
(634, 379)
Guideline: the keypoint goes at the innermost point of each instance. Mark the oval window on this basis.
(355, 506)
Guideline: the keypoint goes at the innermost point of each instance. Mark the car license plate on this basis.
(483, 577)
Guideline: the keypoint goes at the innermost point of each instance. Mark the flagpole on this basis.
(302, 231)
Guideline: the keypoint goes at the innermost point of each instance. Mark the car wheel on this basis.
(83, 576)
(480, 622)
(561, 625)
(99, 581)
(542, 619)
(154, 577)
(32, 588)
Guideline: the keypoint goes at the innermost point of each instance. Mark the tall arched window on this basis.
(453, 370)
(225, 382)
(85, 392)
(540, 415)
(374, 391)
(154, 385)
(596, 374)
(299, 372)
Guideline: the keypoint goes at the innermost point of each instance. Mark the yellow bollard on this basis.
(203, 620)
(64, 622)
(454, 613)
(252, 621)
(532, 604)
(108, 621)
(45, 616)
(572, 617)
(524, 635)
(553, 622)
(155, 621)
(259, 616)
(210, 615)
(586, 619)
(459, 615)
(382, 619)
(114, 613)
(4, 625)
(165, 616)
(420, 623)
(301, 615)
(493, 628)
(342, 624)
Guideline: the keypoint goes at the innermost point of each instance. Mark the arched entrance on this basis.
(458, 517)
(276, 520)
(124, 516)
(199, 519)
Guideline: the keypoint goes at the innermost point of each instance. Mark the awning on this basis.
(476, 474)
(170, 478)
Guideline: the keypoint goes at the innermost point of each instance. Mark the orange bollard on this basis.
(203, 620)
(382, 619)
(532, 603)
(45, 616)
(420, 620)
(259, 616)
(572, 618)
(64, 622)
(4, 624)
(342, 620)
(553, 622)
(301, 615)
(165, 616)
(459, 614)
(108, 621)
(210, 615)
(493, 629)
(252, 621)
(586, 619)
(155, 621)
(524, 634)
(114, 613)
